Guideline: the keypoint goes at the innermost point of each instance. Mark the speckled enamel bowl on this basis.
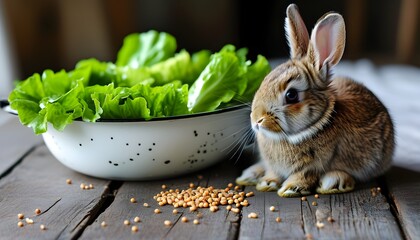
(143, 150)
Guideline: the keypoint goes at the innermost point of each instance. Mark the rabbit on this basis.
(316, 132)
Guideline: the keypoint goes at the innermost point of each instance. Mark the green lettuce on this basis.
(148, 80)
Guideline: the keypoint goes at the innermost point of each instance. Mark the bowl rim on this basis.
(4, 104)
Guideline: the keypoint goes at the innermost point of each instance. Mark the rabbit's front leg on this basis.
(257, 174)
(251, 175)
(269, 182)
(298, 184)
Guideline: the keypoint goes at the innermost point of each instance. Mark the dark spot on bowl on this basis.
(154, 159)
(91, 139)
(167, 161)
(138, 154)
(131, 159)
(221, 134)
(80, 144)
(112, 138)
(127, 144)
(139, 144)
(154, 144)
(208, 133)
(204, 151)
(195, 133)
(150, 149)
(198, 151)
(110, 162)
(115, 164)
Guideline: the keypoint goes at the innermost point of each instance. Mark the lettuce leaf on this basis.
(146, 49)
(222, 79)
(148, 80)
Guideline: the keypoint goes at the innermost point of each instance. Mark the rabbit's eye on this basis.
(292, 96)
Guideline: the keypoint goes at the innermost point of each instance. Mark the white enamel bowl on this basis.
(155, 149)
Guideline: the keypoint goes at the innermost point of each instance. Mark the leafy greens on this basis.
(148, 80)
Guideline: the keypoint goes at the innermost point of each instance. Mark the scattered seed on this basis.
(84, 186)
(167, 223)
(157, 211)
(133, 200)
(230, 185)
(330, 219)
(20, 216)
(163, 186)
(137, 219)
(68, 181)
(200, 177)
(134, 229)
(126, 222)
(184, 219)
(20, 224)
(42, 227)
(303, 198)
(252, 215)
(278, 219)
(272, 208)
(316, 196)
(193, 208)
(314, 203)
(378, 189)
(196, 221)
(37, 211)
(235, 210)
(309, 236)
(319, 224)
(145, 205)
(175, 211)
(191, 185)
(29, 221)
(214, 208)
(103, 224)
(228, 207)
(250, 194)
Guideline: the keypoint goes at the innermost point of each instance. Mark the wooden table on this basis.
(31, 178)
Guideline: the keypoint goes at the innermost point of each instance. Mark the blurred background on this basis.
(55, 34)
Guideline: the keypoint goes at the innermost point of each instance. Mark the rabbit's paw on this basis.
(335, 182)
(268, 184)
(292, 190)
(251, 175)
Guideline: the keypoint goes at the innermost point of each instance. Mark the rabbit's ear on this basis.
(328, 40)
(296, 32)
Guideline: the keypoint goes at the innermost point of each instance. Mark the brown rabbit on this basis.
(315, 131)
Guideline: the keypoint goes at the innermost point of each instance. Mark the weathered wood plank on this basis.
(15, 141)
(218, 225)
(404, 190)
(357, 215)
(39, 181)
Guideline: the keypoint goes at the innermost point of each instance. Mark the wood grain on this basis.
(39, 181)
(15, 141)
(357, 215)
(404, 190)
(219, 225)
